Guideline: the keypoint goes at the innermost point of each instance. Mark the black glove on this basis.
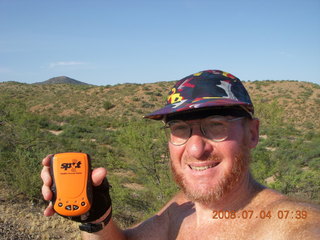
(101, 202)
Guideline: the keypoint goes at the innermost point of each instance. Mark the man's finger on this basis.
(46, 160)
(46, 192)
(48, 211)
(98, 175)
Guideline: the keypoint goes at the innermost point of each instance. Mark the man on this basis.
(209, 119)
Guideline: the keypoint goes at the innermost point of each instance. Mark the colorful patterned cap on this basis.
(206, 89)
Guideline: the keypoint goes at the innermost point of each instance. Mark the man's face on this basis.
(208, 170)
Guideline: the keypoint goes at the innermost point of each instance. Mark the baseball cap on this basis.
(205, 90)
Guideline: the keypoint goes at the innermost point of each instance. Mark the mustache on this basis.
(210, 158)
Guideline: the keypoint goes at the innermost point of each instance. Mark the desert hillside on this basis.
(107, 123)
(298, 100)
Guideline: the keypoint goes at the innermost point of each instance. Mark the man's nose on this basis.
(198, 146)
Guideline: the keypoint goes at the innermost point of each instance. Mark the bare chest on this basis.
(218, 230)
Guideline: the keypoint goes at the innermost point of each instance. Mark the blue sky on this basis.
(110, 42)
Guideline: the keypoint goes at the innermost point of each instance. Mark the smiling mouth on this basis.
(202, 168)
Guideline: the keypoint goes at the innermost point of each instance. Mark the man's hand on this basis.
(98, 175)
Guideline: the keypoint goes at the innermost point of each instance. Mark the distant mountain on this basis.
(62, 80)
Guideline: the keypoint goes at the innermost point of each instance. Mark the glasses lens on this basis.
(179, 132)
(215, 129)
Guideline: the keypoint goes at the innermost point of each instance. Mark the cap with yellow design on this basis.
(206, 89)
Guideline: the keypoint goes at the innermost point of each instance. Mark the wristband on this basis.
(95, 227)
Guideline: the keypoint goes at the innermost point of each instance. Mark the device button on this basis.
(60, 204)
(68, 207)
(75, 207)
(83, 203)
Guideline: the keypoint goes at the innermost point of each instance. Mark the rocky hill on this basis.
(62, 80)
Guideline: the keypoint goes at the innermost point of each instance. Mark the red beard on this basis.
(226, 184)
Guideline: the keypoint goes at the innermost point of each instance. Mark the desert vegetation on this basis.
(107, 123)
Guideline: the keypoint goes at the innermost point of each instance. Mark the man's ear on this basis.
(253, 128)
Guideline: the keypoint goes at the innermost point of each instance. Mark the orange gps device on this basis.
(71, 187)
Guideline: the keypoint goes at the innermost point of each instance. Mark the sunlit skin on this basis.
(207, 170)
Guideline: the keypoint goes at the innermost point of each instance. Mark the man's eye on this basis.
(179, 128)
(215, 124)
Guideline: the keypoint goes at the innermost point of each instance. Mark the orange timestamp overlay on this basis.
(262, 214)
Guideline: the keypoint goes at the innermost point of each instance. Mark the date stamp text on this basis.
(262, 214)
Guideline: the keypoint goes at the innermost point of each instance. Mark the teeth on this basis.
(202, 168)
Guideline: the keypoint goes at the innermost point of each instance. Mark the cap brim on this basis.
(189, 105)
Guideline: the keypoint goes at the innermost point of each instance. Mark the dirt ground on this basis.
(23, 220)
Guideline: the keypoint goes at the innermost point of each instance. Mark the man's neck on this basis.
(238, 198)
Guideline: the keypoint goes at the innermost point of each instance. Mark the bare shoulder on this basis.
(175, 202)
(290, 218)
(298, 211)
(159, 226)
(297, 220)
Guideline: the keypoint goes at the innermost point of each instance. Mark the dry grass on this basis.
(299, 99)
(28, 218)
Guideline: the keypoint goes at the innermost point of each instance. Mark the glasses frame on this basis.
(222, 118)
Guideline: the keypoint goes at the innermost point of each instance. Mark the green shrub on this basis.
(108, 105)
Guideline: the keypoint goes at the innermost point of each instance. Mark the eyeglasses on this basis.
(214, 128)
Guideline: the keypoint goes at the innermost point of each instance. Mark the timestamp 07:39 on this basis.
(262, 214)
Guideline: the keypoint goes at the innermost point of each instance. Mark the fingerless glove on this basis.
(101, 202)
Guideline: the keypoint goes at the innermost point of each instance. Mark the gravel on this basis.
(9, 232)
